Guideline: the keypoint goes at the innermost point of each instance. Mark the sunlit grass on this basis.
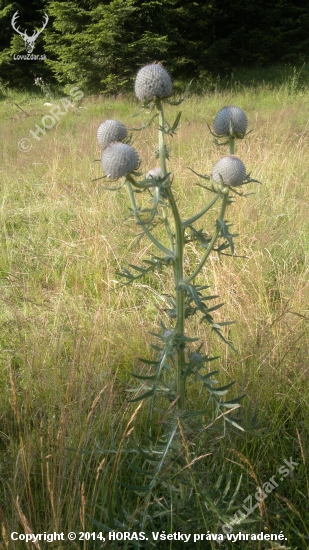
(71, 335)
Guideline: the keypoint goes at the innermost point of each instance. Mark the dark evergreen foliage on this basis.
(101, 44)
(14, 72)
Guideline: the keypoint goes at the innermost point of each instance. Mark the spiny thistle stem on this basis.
(178, 266)
(180, 301)
(193, 219)
(232, 144)
(162, 156)
(129, 180)
(160, 110)
(216, 234)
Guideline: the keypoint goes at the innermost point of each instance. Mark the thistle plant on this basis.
(109, 131)
(230, 122)
(153, 81)
(230, 170)
(176, 358)
(118, 159)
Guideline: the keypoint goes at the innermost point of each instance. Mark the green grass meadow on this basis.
(71, 334)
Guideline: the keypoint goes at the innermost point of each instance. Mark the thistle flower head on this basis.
(196, 357)
(167, 334)
(231, 169)
(119, 159)
(153, 81)
(233, 116)
(110, 131)
(154, 173)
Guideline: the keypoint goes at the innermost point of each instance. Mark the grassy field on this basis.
(71, 334)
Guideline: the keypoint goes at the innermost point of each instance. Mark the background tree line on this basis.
(99, 45)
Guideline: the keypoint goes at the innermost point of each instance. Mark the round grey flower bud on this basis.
(153, 81)
(236, 116)
(231, 169)
(119, 159)
(110, 131)
(154, 173)
(196, 357)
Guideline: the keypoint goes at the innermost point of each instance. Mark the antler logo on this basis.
(29, 40)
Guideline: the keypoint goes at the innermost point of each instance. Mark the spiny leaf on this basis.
(141, 377)
(154, 263)
(147, 361)
(143, 396)
(225, 233)
(171, 130)
(235, 424)
(229, 405)
(223, 389)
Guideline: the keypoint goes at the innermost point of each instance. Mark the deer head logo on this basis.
(29, 40)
